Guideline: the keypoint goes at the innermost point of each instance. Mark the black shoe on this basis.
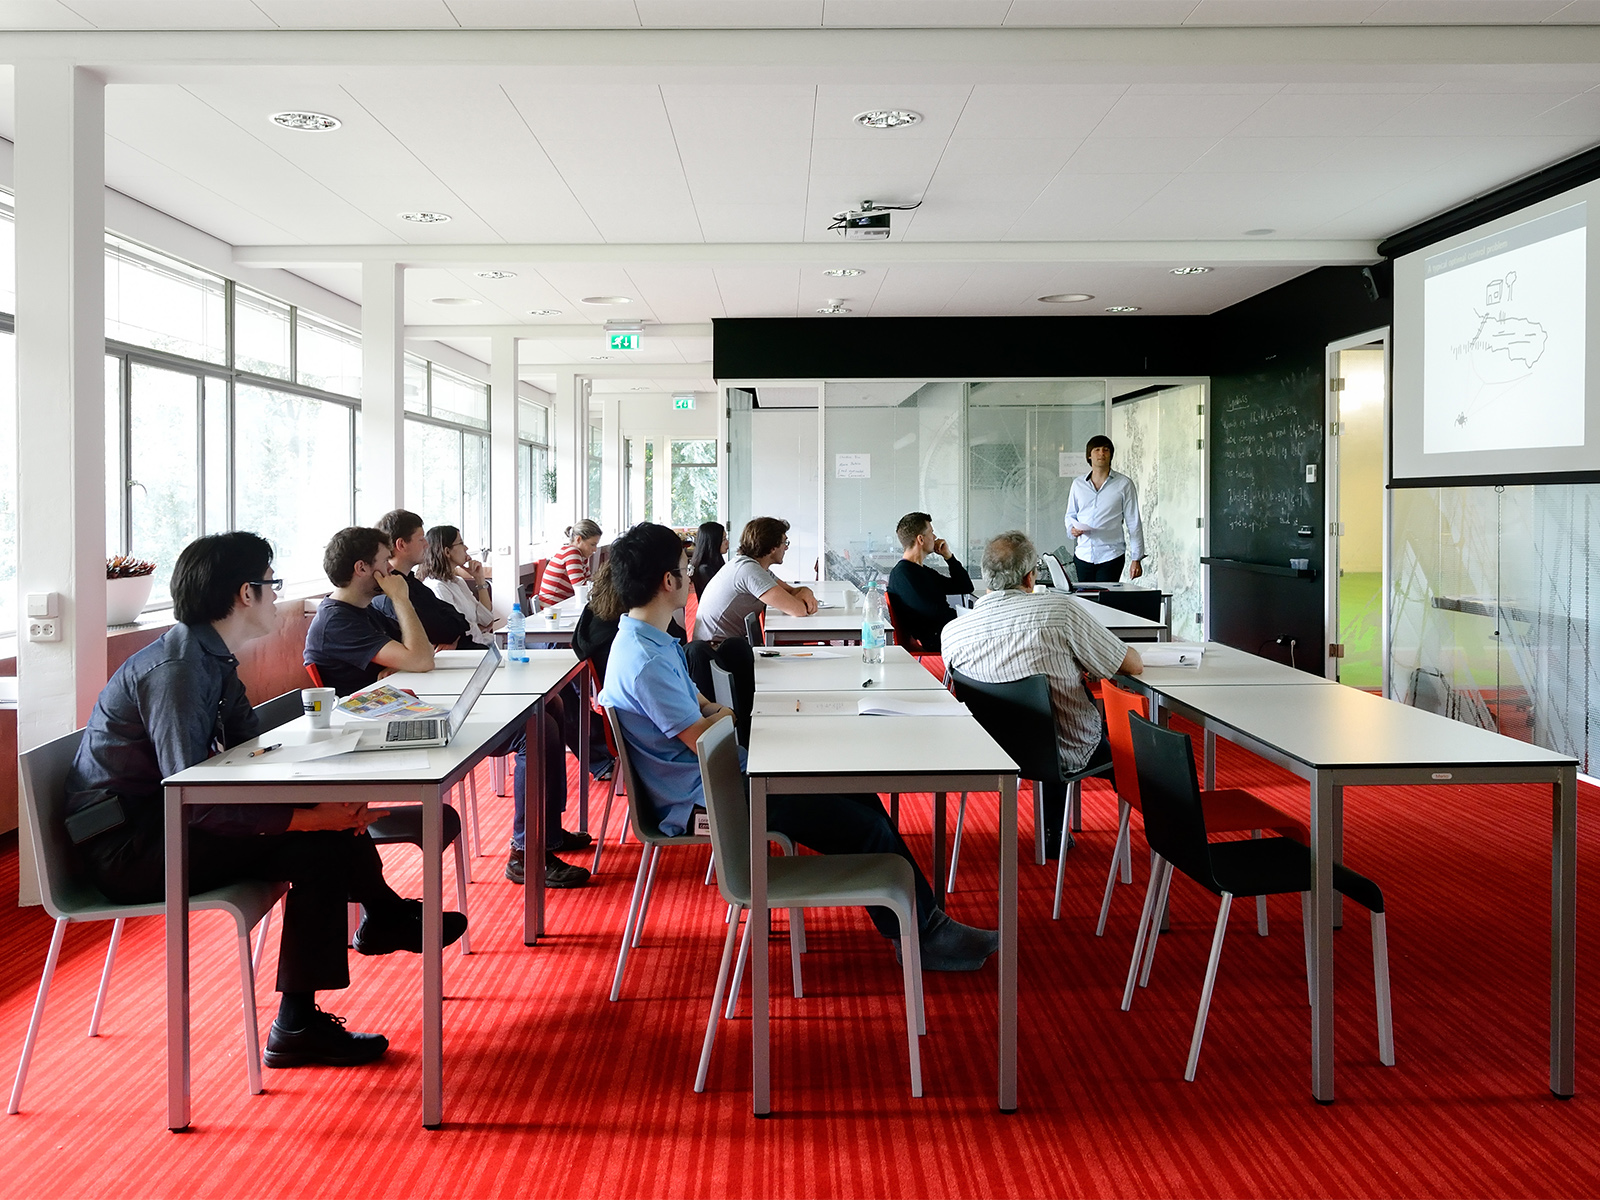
(1052, 844)
(600, 772)
(572, 842)
(514, 867)
(402, 930)
(323, 1042)
(948, 945)
(558, 874)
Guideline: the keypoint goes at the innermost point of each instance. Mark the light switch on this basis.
(1311, 472)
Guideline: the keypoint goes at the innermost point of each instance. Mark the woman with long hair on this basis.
(451, 574)
(572, 564)
(710, 550)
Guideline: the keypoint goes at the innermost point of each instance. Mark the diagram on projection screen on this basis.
(1503, 318)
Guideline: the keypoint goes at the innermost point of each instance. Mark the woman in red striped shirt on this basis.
(570, 565)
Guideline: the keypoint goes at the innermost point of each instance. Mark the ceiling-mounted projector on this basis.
(870, 222)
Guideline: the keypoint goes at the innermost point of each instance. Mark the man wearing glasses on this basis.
(174, 704)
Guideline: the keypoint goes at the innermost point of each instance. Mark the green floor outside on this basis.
(1361, 628)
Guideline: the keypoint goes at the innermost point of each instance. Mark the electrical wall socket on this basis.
(46, 629)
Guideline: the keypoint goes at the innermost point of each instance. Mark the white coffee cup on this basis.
(318, 704)
(581, 591)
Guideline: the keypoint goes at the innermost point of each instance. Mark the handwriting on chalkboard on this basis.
(1266, 430)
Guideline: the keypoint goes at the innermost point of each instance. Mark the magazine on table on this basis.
(384, 701)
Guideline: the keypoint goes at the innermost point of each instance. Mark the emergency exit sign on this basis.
(683, 403)
(624, 341)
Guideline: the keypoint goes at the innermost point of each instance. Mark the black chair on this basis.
(1020, 717)
(752, 630)
(1174, 825)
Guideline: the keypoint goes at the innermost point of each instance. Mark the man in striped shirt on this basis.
(1013, 632)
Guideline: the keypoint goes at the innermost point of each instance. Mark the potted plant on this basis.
(128, 582)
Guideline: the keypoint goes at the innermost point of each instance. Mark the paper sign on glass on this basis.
(852, 466)
(1066, 466)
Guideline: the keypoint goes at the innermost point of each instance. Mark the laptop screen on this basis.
(474, 689)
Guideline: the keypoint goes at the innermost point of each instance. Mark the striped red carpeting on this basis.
(551, 1090)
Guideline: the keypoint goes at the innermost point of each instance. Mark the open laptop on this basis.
(1058, 573)
(419, 733)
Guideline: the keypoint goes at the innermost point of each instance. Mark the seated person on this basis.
(572, 564)
(172, 705)
(747, 585)
(446, 628)
(709, 556)
(1014, 631)
(918, 591)
(662, 717)
(452, 575)
(352, 646)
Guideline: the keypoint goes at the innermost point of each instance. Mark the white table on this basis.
(878, 754)
(555, 623)
(841, 622)
(232, 778)
(544, 675)
(1127, 626)
(837, 668)
(1336, 737)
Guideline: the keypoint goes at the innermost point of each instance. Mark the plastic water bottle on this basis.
(874, 634)
(516, 636)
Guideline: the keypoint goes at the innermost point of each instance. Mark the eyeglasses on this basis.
(785, 543)
(275, 584)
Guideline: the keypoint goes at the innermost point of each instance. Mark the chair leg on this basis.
(605, 823)
(894, 809)
(955, 844)
(252, 1028)
(1119, 857)
(1127, 858)
(1380, 985)
(352, 921)
(50, 959)
(1305, 925)
(1211, 982)
(1151, 891)
(716, 997)
(711, 869)
(1261, 901)
(911, 958)
(738, 972)
(261, 935)
(105, 977)
(497, 773)
(794, 954)
(1074, 811)
(649, 889)
(1038, 824)
(462, 879)
(627, 929)
(473, 822)
(1061, 852)
(1155, 932)
(797, 926)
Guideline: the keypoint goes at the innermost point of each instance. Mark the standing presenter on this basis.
(1102, 504)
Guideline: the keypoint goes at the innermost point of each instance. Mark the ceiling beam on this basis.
(700, 370)
(714, 254)
(548, 333)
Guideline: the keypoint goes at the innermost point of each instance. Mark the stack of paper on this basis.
(1171, 654)
(932, 703)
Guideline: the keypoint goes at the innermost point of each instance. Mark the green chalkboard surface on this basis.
(1266, 428)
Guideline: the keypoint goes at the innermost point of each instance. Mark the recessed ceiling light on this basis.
(1066, 298)
(544, 312)
(640, 387)
(599, 358)
(888, 118)
(834, 307)
(495, 274)
(425, 218)
(844, 272)
(453, 300)
(1258, 232)
(606, 300)
(1122, 308)
(306, 122)
(1190, 270)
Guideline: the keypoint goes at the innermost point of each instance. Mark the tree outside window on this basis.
(694, 482)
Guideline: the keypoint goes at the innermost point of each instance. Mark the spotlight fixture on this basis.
(844, 272)
(834, 307)
(544, 312)
(887, 118)
(607, 300)
(1122, 308)
(451, 301)
(425, 218)
(1066, 298)
(495, 274)
(1190, 270)
(1258, 232)
(306, 122)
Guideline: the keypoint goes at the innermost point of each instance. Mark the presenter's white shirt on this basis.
(1105, 511)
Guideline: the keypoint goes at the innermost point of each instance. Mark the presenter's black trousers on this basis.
(1106, 572)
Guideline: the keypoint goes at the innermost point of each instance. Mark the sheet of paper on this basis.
(809, 652)
(931, 704)
(1171, 654)
(457, 660)
(341, 743)
(372, 762)
(791, 705)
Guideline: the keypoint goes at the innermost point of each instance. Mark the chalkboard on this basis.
(1266, 428)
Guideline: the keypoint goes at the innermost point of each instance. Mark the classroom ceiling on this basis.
(695, 172)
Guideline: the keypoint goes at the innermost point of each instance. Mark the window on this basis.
(163, 492)
(447, 457)
(694, 482)
(162, 304)
(535, 481)
(8, 479)
(261, 338)
(596, 451)
(327, 356)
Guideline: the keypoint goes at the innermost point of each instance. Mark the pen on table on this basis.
(264, 750)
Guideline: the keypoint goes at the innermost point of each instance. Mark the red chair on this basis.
(931, 659)
(691, 606)
(1227, 810)
(316, 675)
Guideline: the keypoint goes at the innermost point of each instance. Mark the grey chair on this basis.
(752, 630)
(70, 897)
(648, 830)
(811, 881)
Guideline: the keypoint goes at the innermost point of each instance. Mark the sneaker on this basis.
(402, 930)
(948, 945)
(324, 1042)
(572, 842)
(514, 868)
(558, 874)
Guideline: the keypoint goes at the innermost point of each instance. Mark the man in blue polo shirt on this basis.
(663, 715)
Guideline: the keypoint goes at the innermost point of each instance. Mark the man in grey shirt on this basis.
(747, 585)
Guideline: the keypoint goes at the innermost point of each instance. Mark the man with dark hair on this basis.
(408, 547)
(1099, 505)
(171, 706)
(663, 715)
(747, 585)
(918, 591)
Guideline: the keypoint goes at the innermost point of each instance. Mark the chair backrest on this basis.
(1019, 716)
(645, 824)
(721, 686)
(1058, 574)
(63, 884)
(728, 809)
(752, 629)
(280, 710)
(1120, 705)
(691, 607)
(901, 637)
(316, 675)
(1174, 821)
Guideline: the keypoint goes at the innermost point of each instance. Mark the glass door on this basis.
(1358, 392)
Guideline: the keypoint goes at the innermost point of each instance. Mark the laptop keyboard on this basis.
(412, 731)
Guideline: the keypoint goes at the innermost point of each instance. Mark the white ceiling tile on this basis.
(949, 189)
(912, 160)
(760, 291)
(939, 104)
(1465, 12)
(1257, 154)
(966, 220)
(913, 14)
(1301, 115)
(172, 14)
(358, 14)
(725, 222)
(618, 113)
(1137, 155)
(1444, 114)
(1577, 12)
(1038, 110)
(1201, 206)
(1084, 206)
(134, 173)
(1006, 156)
(739, 116)
(916, 289)
(1071, 13)
(678, 295)
(1579, 116)
(643, 208)
(717, 14)
(545, 14)
(1177, 115)
(39, 14)
(597, 159)
(1282, 12)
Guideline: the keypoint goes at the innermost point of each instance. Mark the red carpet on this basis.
(553, 1091)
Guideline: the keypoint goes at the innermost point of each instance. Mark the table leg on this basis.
(533, 825)
(938, 847)
(432, 957)
(585, 712)
(1211, 759)
(177, 852)
(1338, 850)
(760, 1047)
(1322, 849)
(1563, 930)
(497, 775)
(1008, 944)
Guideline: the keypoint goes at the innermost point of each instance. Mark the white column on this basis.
(610, 514)
(383, 397)
(506, 537)
(569, 444)
(61, 331)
